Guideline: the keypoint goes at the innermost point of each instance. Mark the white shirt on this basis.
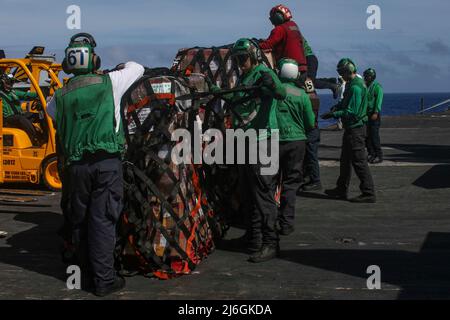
(121, 80)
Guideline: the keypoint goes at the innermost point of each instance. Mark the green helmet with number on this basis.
(80, 57)
(370, 75)
(247, 47)
(346, 65)
(288, 69)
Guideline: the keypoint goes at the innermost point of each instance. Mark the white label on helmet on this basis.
(78, 57)
(164, 87)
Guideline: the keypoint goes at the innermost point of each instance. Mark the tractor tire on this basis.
(50, 174)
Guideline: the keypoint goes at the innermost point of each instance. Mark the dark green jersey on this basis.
(258, 113)
(295, 115)
(374, 98)
(11, 101)
(85, 118)
(353, 107)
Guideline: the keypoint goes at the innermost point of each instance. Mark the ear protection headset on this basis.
(247, 47)
(346, 65)
(80, 57)
(280, 14)
(276, 18)
(256, 51)
(370, 75)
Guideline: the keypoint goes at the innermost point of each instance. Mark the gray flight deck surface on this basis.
(406, 233)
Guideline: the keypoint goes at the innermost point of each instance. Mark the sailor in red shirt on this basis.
(285, 40)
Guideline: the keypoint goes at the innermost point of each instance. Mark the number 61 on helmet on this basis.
(80, 56)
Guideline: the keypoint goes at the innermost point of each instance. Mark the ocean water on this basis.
(393, 104)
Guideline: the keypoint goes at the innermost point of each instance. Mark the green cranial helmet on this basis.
(80, 57)
(288, 69)
(245, 47)
(370, 75)
(346, 66)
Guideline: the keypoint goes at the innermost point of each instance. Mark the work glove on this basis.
(266, 81)
(120, 66)
(327, 115)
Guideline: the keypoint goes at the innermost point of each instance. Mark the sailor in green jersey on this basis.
(295, 117)
(13, 115)
(90, 133)
(258, 112)
(353, 111)
(374, 103)
(313, 65)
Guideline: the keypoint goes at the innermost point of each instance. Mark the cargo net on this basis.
(216, 63)
(222, 182)
(172, 212)
(168, 225)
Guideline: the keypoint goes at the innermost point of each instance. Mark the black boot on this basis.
(364, 198)
(376, 160)
(328, 83)
(245, 242)
(313, 186)
(267, 252)
(286, 230)
(118, 285)
(337, 193)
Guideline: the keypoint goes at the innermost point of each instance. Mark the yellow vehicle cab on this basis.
(22, 161)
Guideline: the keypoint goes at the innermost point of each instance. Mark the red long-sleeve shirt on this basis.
(286, 41)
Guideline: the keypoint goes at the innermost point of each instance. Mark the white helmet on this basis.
(288, 69)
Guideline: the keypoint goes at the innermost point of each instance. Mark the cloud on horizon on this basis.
(438, 47)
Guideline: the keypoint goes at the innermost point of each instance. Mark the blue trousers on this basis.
(96, 194)
(373, 142)
(311, 165)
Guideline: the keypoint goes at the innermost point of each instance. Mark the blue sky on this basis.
(411, 52)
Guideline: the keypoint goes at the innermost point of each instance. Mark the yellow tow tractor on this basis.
(21, 160)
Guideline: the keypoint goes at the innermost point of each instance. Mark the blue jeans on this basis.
(311, 167)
